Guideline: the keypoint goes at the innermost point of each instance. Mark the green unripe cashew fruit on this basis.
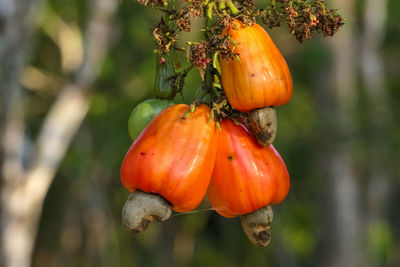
(164, 84)
(144, 113)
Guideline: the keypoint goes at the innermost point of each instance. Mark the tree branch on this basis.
(22, 199)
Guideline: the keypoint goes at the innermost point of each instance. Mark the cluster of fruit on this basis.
(182, 154)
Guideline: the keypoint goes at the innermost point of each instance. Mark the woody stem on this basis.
(208, 77)
(168, 15)
(209, 13)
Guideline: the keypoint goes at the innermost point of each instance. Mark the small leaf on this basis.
(216, 64)
(218, 125)
(192, 108)
(218, 85)
(238, 58)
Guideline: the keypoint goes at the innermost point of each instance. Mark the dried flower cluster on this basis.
(221, 110)
(246, 4)
(222, 44)
(248, 13)
(304, 18)
(190, 9)
(165, 37)
(157, 3)
(224, 22)
(272, 17)
(197, 55)
(248, 19)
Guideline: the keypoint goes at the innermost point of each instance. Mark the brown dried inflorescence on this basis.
(248, 19)
(304, 18)
(248, 4)
(221, 110)
(247, 12)
(200, 53)
(158, 3)
(225, 21)
(183, 20)
(223, 45)
(303, 21)
(271, 17)
(190, 9)
(197, 55)
(330, 23)
(165, 37)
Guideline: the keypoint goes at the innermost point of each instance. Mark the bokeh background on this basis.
(71, 71)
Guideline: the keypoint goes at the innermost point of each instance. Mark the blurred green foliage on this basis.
(80, 224)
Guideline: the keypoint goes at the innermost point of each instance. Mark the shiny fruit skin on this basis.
(261, 78)
(246, 176)
(143, 114)
(173, 157)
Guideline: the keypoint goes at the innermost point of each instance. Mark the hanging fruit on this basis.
(246, 177)
(173, 157)
(261, 77)
(165, 83)
(144, 113)
(171, 162)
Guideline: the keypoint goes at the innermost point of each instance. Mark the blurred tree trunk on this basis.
(15, 31)
(377, 128)
(26, 178)
(341, 207)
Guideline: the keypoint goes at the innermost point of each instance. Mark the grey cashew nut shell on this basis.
(263, 124)
(141, 208)
(257, 226)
